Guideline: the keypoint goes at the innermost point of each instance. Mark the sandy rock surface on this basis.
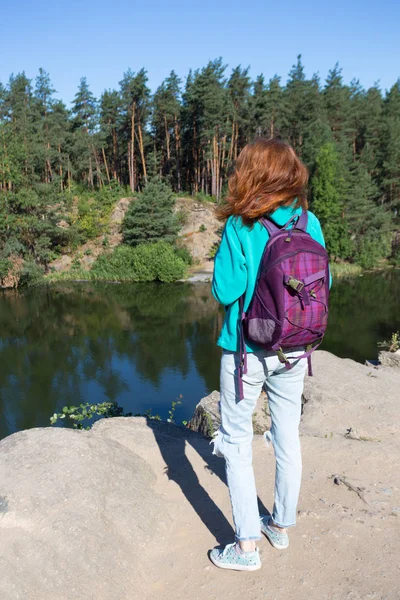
(130, 509)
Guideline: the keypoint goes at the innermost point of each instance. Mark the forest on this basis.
(188, 134)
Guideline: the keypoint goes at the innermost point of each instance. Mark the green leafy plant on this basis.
(202, 228)
(76, 264)
(172, 410)
(88, 411)
(393, 345)
(213, 251)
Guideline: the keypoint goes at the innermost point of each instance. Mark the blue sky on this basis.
(101, 39)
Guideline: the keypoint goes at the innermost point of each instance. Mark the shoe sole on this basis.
(274, 544)
(234, 567)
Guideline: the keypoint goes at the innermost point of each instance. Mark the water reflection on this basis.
(144, 345)
(141, 345)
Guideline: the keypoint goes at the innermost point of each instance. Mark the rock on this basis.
(207, 418)
(75, 507)
(343, 394)
(390, 359)
(199, 277)
(118, 214)
(200, 230)
(63, 224)
(61, 264)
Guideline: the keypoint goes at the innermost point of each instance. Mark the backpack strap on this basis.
(299, 222)
(302, 221)
(307, 354)
(242, 369)
(270, 226)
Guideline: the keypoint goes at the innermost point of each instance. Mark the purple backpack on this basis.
(289, 307)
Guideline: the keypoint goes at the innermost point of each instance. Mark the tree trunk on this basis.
(236, 140)
(230, 153)
(69, 176)
(222, 164)
(98, 167)
(167, 137)
(115, 153)
(214, 174)
(131, 151)
(106, 165)
(178, 153)
(90, 175)
(195, 160)
(60, 168)
(141, 148)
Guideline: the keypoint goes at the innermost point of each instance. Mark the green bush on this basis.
(184, 254)
(371, 249)
(147, 262)
(395, 258)
(165, 264)
(117, 266)
(89, 226)
(31, 274)
(5, 266)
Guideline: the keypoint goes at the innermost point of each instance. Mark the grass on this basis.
(345, 269)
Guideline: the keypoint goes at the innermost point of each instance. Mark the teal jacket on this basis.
(236, 267)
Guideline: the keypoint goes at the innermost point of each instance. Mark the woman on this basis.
(269, 180)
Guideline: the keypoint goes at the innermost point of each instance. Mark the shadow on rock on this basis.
(172, 441)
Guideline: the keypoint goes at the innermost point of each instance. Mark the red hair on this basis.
(268, 174)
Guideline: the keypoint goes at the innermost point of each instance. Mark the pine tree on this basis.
(259, 107)
(391, 150)
(370, 130)
(84, 109)
(151, 217)
(110, 117)
(135, 110)
(239, 87)
(337, 103)
(277, 108)
(205, 131)
(166, 128)
(18, 109)
(327, 202)
(304, 105)
(42, 107)
(59, 131)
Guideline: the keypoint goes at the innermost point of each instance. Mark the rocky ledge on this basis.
(129, 509)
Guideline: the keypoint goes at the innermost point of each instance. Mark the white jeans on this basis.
(234, 439)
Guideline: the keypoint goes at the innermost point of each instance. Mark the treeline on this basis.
(190, 134)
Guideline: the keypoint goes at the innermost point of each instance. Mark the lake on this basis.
(146, 345)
